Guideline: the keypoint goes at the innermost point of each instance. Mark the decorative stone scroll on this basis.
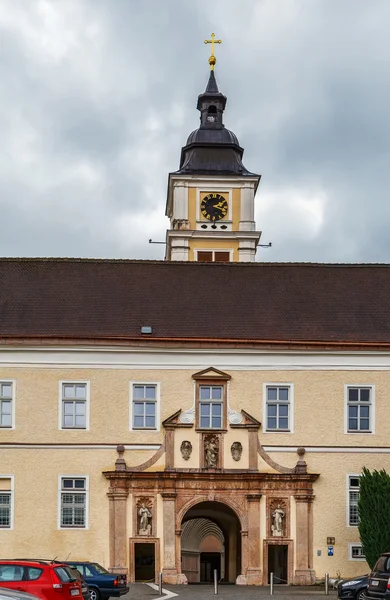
(188, 416)
(234, 417)
(236, 450)
(186, 449)
(144, 516)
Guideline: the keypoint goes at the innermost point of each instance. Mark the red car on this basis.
(48, 581)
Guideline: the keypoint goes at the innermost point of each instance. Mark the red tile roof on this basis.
(102, 299)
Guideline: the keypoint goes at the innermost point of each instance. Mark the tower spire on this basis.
(212, 59)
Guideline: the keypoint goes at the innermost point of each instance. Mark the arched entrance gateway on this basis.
(211, 499)
(210, 539)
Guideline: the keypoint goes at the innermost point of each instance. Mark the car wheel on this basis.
(94, 594)
(360, 594)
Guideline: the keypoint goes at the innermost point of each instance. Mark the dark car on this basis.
(101, 583)
(353, 588)
(379, 579)
(83, 583)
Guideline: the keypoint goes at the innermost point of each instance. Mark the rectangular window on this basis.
(6, 501)
(211, 406)
(356, 552)
(144, 406)
(6, 400)
(359, 409)
(213, 256)
(5, 510)
(73, 503)
(353, 498)
(74, 406)
(278, 407)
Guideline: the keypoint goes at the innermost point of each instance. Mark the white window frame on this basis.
(349, 475)
(12, 494)
(13, 401)
(211, 403)
(87, 404)
(158, 398)
(60, 491)
(371, 387)
(213, 250)
(291, 411)
(355, 558)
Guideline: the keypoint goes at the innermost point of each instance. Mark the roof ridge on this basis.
(180, 263)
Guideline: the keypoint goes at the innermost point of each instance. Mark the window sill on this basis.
(277, 431)
(359, 432)
(210, 429)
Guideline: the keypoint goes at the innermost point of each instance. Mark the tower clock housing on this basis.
(210, 201)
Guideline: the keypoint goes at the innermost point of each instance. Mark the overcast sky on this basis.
(97, 97)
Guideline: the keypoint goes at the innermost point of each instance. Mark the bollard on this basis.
(215, 582)
(326, 584)
(160, 590)
(271, 583)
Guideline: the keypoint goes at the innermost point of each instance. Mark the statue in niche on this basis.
(145, 517)
(186, 449)
(278, 516)
(236, 450)
(211, 450)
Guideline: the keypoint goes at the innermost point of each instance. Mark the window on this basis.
(355, 552)
(213, 256)
(5, 510)
(6, 404)
(359, 409)
(74, 405)
(73, 502)
(6, 501)
(278, 411)
(11, 572)
(144, 406)
(353, 498)
(211, 406)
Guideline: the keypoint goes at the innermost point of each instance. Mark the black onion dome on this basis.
(212, 149)
(220, 136)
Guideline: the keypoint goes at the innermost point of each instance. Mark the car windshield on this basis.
(101, 570)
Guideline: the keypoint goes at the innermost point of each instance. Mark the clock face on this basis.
(214, 207)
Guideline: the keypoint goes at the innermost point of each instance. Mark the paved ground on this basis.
(141, 591)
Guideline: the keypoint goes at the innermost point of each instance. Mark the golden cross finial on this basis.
(212, 59)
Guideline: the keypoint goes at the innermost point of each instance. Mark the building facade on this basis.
(199, 413)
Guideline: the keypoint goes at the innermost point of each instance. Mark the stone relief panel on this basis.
(186, 449)
(278, 517)
(236, 450)
(211, 451)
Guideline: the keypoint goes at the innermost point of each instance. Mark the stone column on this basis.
(118, 531)
(169, 570)
(304, 575)
(253, 439)
(253, 573)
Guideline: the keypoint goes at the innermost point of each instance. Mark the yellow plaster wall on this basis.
(35, 531)
(319, 421)
(192, 207)
(318, 408)
(236, 208)
(211, 244)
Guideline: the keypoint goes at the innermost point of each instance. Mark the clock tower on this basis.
(210, 201)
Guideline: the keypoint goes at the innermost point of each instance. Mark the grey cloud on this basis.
(94, 119)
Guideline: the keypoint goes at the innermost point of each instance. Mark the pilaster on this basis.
(118, 532)
(304, 575)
